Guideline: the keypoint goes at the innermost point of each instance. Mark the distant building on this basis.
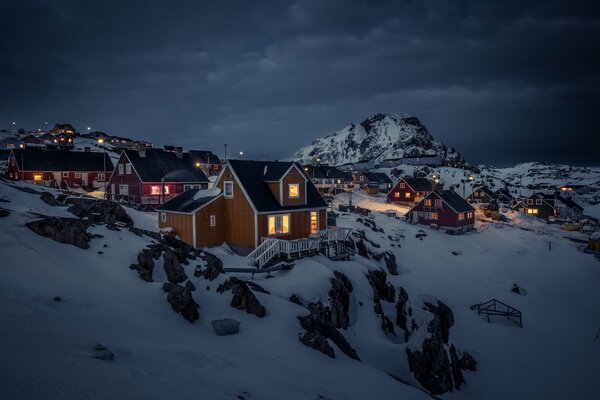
(64, 140)
(482, 195)
(383, 182)
(444, 210)
(63, 169)
(505, 199)
(409, 190)
(63, 128)
(328, 179)
(209, 163)
(11, 143)
(546, 205)
(433, 160)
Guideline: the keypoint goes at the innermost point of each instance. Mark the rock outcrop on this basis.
(99, 211)
(49, 199)
(63, 230)
(243, 297)
(181, 300)
(226, 326)
(173, 269)
(145, 265)
(339, 300)
(214, 266)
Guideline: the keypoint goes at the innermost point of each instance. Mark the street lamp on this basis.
(469, 179)
(101, 141)
(241, 154)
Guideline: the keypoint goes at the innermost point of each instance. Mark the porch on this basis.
(331, 242)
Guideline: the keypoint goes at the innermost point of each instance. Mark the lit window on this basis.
(213, 220)
(314, 222)
(402, 185)
(65, 174)
(154, 190)
(120, 169)
(407, 195)
(294, 190)
(532, 211)
(279, 224)
(339, 181)
(397, 194)
(163, 217)
(428, 203)
(433, 216)
(362, 178)
(37, 177)
(461, 217)
(228, 189)
(128, 169)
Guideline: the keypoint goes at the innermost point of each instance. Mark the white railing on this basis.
(268, 254)
(261, 248)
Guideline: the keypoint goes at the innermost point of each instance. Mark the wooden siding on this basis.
(238, 214)
(322, 219)
(182, 223)
(294, 177)
(299, 224)
(447, 217)
(206, 235)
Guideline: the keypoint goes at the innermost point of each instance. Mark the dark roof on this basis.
(377, 177)
(487, 191)
(503, 192)
(159, 164)
(186, 203)
(454, 200)
(325, 172)
(31, 139)
(4, 153)
(418, 184)
(569, 203)
(64, 126)
(61, 160)
(253, 176)
(204, 156)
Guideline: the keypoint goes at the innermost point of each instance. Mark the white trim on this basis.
(256, 229)
(225, 189)
(194, 229)
(291, 210)
(289, 190)
(193, 211)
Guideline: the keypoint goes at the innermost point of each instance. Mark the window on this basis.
(154, 190)
(187, 187)
(529, 201)
(433, 216)
(538, 202)
(402, 185)
(124, 189)
(362, 178)
(428, 203)
(163, 217)
(532, 211)
(213, 220)
(339, 181)
(78, 175)
(100, 177)
(37, 177)
(120, 169)
(294, 190)
(279, 224)
(65, 174)
(314, 222)
(228, 189)
(407, 195)
(128, 169)
(461, 216)
(438, 203)
(397, 195)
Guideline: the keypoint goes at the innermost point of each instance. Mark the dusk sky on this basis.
(503, 82)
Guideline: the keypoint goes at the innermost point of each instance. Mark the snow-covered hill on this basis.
(378, 137)
(57, 302)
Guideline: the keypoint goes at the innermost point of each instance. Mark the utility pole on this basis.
(225, 156)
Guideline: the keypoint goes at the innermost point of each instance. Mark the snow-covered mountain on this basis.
(378, 137)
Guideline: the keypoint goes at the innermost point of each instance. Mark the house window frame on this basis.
(276, 218)
(538, 202)
(529, 201)
(401, 185)
(427, 203)
(461, 216)
(225, 184)
(121, 186)
(437, 203)
(101, 177)
(128, 169)
(163, 216)
(316, 230)
(433, 216)
(297, 185)
(121, 170)
(213, 221)
(77, 175)
(65, 174)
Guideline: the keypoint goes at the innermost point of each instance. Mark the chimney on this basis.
(141, 149)
(178, 151)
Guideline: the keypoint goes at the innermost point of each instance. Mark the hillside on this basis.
(378, 137)
(58, 301)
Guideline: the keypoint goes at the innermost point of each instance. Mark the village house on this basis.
(149, 177)
(63, 128)
(327, 179)
(252, 201)
(207, 161)
(504, 198)
(444, 210)
(57, 168)
(482, 195)
(409, 190)
(64, 141)
(11, 143)
(546, 205)
(375, 179)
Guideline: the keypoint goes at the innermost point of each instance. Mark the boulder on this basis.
(294, 298)
(317, 341)
(4, 213)
(226, 326)
(339, 300)
(243, 297)
(181, 300)
(63, 230)
(102, 353)
(214, 266)
(49, 199)
(98, 211)
(145, 265)
(173, 269)
(382, 290)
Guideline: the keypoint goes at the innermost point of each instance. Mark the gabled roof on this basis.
(254, 175)
(454, 200)
(569, 203)
(158, 164)
(64, 126)
(190, 200)
(60, 160)
(325, 172)
(503, 192)
(379, 177)
(418, 184)
(204, 157)
(487, 191)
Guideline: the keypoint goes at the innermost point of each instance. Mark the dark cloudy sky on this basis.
(502, 81)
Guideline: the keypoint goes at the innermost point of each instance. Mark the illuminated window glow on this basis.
(37, 177)
(428, 203)
(314, 222)
(294, 190)
(279, 224)
(407, 195)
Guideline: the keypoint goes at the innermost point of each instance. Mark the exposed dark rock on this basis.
(444, 318)
(387, 325)
(467, 362)
(145, 265)
(431, 366)
(102, 353)
(403, 312)
(181, 300)
(214, 266)
(198, 271)
(256, 287)
(294, 298)
(317, 341)
(63, 230)
(49, 199)
(4, 213)
(173, 269)
(57, 299)
(456, 370)
(189, 285)
(243, 297)
(99, 211)
(390, 262)
(420, 234)
(382, 290)
(140, 232)
(226, 326)
(339, 300)
(318, 322)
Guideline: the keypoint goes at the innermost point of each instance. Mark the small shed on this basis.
(594, 242)
(372, 189)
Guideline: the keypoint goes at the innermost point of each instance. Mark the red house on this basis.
(409, 190)
(444, 210)
(60, 168)
(141, 175)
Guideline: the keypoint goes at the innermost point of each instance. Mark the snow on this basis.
(47, 344)
(212, 192)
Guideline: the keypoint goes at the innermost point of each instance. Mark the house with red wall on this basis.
(150, 177)
(444, 210)
(409, 190)
(60, 168)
